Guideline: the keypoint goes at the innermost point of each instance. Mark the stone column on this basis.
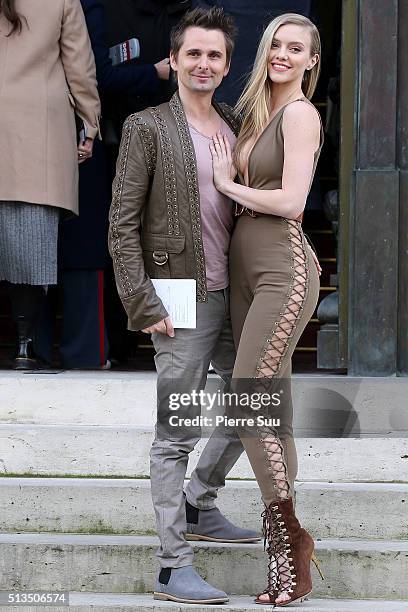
(402, 142)
(373, 224)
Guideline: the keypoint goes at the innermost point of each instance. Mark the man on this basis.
(165, 172)
(150, 22)
(82, 242)
(250, 17)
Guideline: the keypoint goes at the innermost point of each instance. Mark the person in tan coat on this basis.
(47, 74)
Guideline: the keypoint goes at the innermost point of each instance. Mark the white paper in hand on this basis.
(179, 299)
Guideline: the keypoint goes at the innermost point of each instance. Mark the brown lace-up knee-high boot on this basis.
(290, 550)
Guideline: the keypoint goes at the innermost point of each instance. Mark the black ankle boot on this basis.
(26, 302)
(25, 358)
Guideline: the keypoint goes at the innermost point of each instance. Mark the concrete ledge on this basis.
(344, 404)
(358, 569)
(246, 604)
(85, 505)
(112, 602)
(82, 398)
(124, 451)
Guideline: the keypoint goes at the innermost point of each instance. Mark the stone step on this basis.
(54, 450)
(358, 569)
(113, 602)
(343, 404)
(124, 506)
(80, 398)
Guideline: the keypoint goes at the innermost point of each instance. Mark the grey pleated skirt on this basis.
(28, 243)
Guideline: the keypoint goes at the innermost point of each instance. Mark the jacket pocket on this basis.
(164, 255)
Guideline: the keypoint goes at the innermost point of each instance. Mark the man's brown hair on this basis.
(212, 19)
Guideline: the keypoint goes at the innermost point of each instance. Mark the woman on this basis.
(274, 280)
(46, 70)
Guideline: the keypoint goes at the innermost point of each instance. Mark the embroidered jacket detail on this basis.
(149, 147)
(169, 174)
(190, 166)
(122, 273)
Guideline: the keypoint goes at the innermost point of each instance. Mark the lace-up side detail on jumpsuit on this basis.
(274, 292)
(276, 349)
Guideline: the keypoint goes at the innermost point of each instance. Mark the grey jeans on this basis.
(186, 358)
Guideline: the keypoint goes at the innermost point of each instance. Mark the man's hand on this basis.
(85, 150)
(163, 69)
(164, 326)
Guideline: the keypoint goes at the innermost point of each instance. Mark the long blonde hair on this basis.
(254, 102)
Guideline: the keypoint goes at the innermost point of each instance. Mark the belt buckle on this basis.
(239, 209)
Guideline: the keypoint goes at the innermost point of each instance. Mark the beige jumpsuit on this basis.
(274, 291)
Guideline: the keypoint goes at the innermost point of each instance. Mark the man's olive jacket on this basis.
(155, 219)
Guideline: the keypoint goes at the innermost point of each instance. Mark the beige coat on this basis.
(45, 72)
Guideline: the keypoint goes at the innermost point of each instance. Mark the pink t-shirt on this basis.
(216, 211)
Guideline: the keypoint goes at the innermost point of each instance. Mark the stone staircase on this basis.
(76, 512)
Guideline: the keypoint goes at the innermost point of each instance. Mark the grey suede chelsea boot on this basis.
(184, 585)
